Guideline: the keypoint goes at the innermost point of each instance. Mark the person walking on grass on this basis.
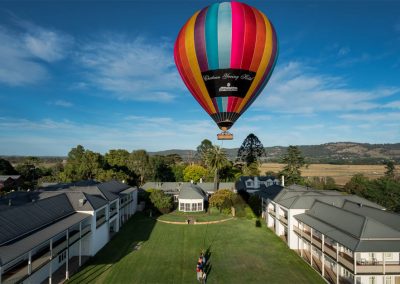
(199, 271)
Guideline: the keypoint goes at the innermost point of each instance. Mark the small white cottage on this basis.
(191, 198)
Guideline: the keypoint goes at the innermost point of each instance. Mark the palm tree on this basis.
(216, 159)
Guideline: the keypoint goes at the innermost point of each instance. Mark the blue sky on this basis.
(101, 74)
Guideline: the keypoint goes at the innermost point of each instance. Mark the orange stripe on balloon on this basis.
(260, 41)
(187, 72)
(194, 66)
(267, 54)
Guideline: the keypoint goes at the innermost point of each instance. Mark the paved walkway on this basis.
(194, 223)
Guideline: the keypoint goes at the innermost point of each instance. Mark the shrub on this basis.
(161, 201)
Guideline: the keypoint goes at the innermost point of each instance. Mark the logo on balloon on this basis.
(228, 88)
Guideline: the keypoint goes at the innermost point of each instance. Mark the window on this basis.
(372, 280)
(200, 206)
(181, 206)
(388, 280)
(388, 255)
(194, 206)
(187, 206)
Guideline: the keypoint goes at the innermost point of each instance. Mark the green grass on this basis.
(240, 253)
(177, 216)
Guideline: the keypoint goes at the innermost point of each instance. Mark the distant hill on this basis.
(331, 153)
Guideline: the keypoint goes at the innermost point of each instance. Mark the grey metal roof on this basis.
(386, 217)
(355, 231)
(270, 192)
(191, 191)
(14, 177)
(18, 221)
(15, 249)
(304, 199)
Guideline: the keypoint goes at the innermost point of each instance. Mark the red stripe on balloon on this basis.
(260, 41)
(200, 41)
(250, 33)
(237, 35)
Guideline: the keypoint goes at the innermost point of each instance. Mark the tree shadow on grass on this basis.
(137, 230)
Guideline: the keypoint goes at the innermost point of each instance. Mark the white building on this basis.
(191, 198)
(347, 239)
(54, 231)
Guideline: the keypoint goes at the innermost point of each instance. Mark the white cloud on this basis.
(394, 104)
(131, 69)
(343, 51)
(295, 88)
(63, 103)
(20, 48)
(372, 117)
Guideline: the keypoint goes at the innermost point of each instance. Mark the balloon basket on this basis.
(225, 136)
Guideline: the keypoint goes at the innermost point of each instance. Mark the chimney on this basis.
(283, 181)
(191, 181)
(256, 182)
(81, 202)
(201, 180)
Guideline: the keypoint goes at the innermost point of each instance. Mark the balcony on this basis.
(272, 213)
(317, 242)
(346, 260)
(283, 219)
(330, 250)
(100, 221)
(113, 212)
(391, 267)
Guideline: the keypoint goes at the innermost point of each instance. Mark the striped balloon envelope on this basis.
(225, 54)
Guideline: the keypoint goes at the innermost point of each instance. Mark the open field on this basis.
(341, 173)
(146, 251)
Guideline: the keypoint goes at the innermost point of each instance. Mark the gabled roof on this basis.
(13, 177)
(191, 191)
(19, 221)
(270, 192)
(356, 232)
(12, 250)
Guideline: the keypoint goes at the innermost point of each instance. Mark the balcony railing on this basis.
(283, 219)
(113, 212)
(272, 213)
(100, 221)
(391, 268)
(346, 261)
(329, 250)
(297, 230)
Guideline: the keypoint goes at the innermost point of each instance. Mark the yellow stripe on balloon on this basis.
(192, 58)
(264, 63)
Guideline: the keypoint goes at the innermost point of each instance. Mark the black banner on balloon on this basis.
(228, 82)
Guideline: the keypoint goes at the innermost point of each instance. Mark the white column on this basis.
(384, 264)
(337, 252)
(51, 258)
(323, 253)
(301, 228)
(337, 273)
(29, 262)
(67, 257)
(355, 263)
(80, 244)
(311, 245)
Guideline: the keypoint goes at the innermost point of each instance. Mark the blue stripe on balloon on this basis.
(224, 34)
(219, 102)
(211, 27)
(224, 104)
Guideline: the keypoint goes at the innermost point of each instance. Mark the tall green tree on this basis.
(202, 150)
(216, 160)
(194, 173)
(139, 162)
(161, 170)
(251, 150)
(390, 169)
(6, 168)
(117, 158)
(293, 160)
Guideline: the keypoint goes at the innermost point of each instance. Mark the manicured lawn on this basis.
(240, 252)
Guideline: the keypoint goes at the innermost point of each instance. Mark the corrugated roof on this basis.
(15, 249)
(355, 231)
(388, 218)
(18, 221)
(191, 191)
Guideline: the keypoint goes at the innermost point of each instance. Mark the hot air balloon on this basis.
(225, 54)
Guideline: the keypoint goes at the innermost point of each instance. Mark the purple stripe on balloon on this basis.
(199, 40)
(268, 71)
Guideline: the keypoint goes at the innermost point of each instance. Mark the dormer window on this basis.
(249, 183)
